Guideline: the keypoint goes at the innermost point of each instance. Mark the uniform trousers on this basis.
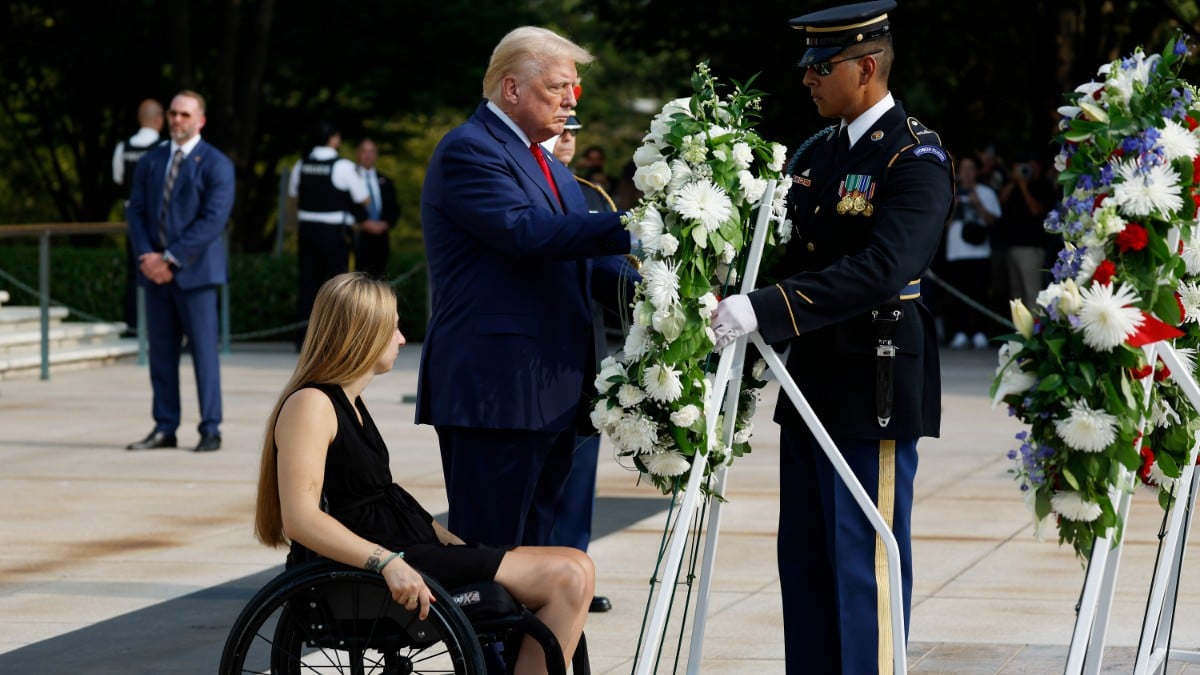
(833, 569)
(171, 314)
(503, 485)
(322, 252)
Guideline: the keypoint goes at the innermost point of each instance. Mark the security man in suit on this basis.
(371, 248)
(573, 520)
(124, 161)
(868, 201)
(331, 197)
(509, 353)
(181, 200)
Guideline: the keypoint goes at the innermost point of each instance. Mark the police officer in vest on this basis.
(868, 200)
(125, 158)
(332, 197)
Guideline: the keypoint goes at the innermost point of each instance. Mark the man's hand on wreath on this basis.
(733, 318)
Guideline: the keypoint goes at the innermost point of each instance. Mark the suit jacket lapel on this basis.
(520, 154)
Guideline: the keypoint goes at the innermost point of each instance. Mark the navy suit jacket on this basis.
(201, 202)
(509, 343)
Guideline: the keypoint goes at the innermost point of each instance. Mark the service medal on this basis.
(860, 203)
(843, 204)
(869, 209)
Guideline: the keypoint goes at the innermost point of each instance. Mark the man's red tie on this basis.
(541, 160)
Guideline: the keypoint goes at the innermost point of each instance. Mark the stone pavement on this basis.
(124, 562)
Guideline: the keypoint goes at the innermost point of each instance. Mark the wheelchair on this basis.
(325, 617)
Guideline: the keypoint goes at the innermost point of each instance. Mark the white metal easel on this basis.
(727, 384)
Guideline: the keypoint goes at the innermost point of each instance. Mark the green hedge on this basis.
(262, 287)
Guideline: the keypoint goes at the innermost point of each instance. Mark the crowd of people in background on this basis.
(995, 247)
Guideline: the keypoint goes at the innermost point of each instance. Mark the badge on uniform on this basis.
(856, 191)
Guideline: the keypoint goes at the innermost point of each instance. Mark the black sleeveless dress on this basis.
(360, 494)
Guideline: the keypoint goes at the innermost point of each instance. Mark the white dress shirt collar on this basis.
(186, 147)
(865, 121)
(511, 124)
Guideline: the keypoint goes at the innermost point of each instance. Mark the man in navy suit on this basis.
(181, 199)
(509, 351)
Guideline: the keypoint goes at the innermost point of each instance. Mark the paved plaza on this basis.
(138, 562)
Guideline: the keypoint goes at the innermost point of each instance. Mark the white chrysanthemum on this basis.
(708, 304)
(742, 155)
(1189, 296)
(667, 463)
(704, 202)
(647, 154)
(635, 434)
(610, 367)
(1012, 379)
(685, 416)
(637, 341)
(778, 157)
(784, 231)
(1188, 356)
(662, 383)
(652, 178)
(1146, 191)
(661, 282)
(1191, 256)
(648, 228)
(1086, 429)
(752, 188)
(1177, 141)
(1071, 505)
(667, 244)
(629, 395)
(1107, 316)
(681, 174)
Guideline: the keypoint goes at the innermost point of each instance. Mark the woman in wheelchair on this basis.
(325, 485)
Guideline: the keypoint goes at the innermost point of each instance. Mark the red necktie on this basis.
(541, 160)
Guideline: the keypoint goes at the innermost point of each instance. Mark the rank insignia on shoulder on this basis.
(934, 150)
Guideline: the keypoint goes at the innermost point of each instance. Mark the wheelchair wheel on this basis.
(324, 617)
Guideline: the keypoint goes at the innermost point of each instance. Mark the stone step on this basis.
(72, 345)
(20, 318)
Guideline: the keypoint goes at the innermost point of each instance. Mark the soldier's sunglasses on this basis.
(824, 68)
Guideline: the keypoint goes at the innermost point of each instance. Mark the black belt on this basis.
(885, 319)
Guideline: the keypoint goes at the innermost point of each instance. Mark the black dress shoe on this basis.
(599, 604)
(154, 441)
(208, 443)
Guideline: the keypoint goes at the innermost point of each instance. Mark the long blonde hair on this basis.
(353, 321)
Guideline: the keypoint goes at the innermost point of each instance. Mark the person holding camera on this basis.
(1020, 243)
(968, 254)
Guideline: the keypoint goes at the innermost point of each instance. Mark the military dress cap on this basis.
(572, 124)
(828, 32)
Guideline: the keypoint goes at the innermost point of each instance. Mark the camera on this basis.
(1024, 171)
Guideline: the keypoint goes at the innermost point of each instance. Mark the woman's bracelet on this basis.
(378, 565)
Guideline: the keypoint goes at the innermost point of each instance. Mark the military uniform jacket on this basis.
(838, 267)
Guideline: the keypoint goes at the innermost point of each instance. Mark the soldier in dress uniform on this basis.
(868, 200)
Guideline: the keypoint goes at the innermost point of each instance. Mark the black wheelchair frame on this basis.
(326, 617)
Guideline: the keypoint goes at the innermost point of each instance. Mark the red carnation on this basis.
(1161, 371)
(1104, 272)
(1139, 373)
(1097, 199)
(1179, 302)
(1191, 122)
(1147, 462)
(1132, 238)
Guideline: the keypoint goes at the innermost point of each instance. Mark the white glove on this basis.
(733, 318)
